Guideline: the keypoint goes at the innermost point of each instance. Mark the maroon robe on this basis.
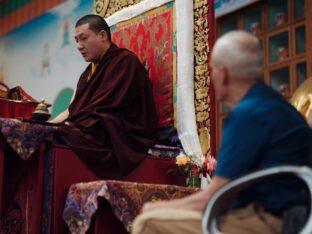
(113, 118)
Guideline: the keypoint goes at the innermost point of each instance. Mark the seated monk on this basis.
(111, 120)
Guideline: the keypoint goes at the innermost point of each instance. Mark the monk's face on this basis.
(90, 44)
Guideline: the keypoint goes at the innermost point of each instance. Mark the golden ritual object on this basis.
(302, 98)
(41, 113)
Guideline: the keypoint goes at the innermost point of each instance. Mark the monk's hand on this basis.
(68, 123)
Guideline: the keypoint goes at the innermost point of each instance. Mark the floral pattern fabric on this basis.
(24, 137)
(125, 198)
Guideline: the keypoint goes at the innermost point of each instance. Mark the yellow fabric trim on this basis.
(93, 67)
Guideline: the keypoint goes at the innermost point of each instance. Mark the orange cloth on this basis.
(93, 67)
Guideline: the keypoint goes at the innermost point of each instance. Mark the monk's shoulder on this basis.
(128, 55)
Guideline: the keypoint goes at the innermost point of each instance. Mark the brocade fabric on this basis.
(23, 137)
(125, 198)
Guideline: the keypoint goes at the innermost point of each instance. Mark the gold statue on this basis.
(302, 100)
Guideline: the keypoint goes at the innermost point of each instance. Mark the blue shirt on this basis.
(263, 131)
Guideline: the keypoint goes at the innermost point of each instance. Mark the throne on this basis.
(160, 33)
(166, 35)
(150, 33)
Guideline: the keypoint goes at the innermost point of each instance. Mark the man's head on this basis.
(93, 37)
(236, 63)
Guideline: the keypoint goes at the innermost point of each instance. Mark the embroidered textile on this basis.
(24, 137)
(125, 198)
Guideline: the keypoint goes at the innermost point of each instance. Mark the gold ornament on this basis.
(100, 7)
(302, 98)
(201, 73)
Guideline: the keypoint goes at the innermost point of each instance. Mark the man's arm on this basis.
(64, 115)
(196, 201)
(61, 117)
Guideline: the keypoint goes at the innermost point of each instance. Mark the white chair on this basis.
(218, 201)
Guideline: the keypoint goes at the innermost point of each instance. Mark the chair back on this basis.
(216, 203)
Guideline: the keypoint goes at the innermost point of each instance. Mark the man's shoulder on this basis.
(270, 108)
(260, 109)
(126, 56)
(119, 56)
(263, 99)
(124, 52)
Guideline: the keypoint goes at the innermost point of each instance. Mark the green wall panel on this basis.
(8, 7)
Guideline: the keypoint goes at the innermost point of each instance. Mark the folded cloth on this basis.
(24, 137)
(125, 198)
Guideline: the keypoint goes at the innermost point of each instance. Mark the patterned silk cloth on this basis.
(24, 137)
(125, 198)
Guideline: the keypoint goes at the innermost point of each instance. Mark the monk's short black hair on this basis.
(96, 24)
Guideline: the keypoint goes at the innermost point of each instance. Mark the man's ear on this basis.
(224, 76)
(104, 35)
